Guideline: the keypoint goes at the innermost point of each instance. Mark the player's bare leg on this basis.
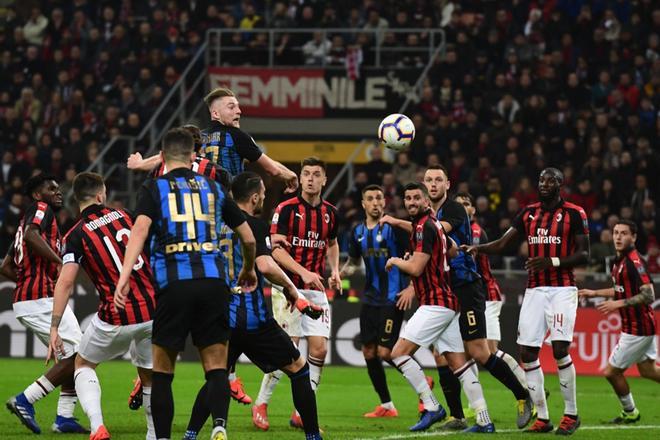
(649, 370)
(374, 355)
(615, 376)
(451, 388)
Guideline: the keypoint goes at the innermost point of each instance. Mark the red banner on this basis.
(594, 338)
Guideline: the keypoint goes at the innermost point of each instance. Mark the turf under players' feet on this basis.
(454, 424)
(540, 427)
(68, 425)
(568, 425)
(469, 413)
(238, 393)
(100, 434)
(626, 417)
(428, 418)
(21, 408)
(296, 421)
(525, 410)
(480, 429)
(260, 416)
(219, 433)
(420, 404)
(313, 436)
(190, 435)
(381, 411)
(135, 398)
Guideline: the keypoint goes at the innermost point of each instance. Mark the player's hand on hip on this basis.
(134, 161)
(334, 281)
(247, 280)
(308, 308)
(55, 346)
(313, 280)
(405, 298)
(537, 264)
(586, 293)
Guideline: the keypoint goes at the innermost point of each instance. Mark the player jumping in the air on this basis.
(309, 224)
(380, 318)
(557, 235)
(98, 243)
(631, 295)
(36, 262)
(435, 322)
(254, 331)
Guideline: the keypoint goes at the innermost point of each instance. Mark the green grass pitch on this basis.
(344, 395)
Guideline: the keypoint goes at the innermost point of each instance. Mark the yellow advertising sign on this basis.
(329, 151)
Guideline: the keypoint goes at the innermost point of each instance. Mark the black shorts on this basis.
(472, 299)
(198, 307)
(268, 347)
(380, 325)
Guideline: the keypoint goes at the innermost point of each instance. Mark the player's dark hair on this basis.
(244, 185)
(35, 183)
(196, 133)
(631, 225)
(86, 186)
(217, 93)
(412, 186)
(373, 187)
(438, 167)
(465, 195)
(178, 145)
(557, 172)
(312, 162)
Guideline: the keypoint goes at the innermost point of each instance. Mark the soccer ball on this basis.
(396, 132)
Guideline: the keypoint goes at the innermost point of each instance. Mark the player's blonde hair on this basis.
(217, 93)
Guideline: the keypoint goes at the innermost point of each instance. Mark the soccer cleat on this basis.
(454, 424)
(381, 411)
(540, 427)
(428, 418)
(68, 425)
(525, 409)
(238, 393)
(190, 435)
(21, 408)
(481, 429)
(260, 416)
(296, 421)
(568, 426)
(135, 398)
(626, 417)
(219, 433)
(420, 405)
(100, 434)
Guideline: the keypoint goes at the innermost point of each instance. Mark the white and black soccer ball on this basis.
(396, 132)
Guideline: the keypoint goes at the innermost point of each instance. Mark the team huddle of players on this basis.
(203, 275)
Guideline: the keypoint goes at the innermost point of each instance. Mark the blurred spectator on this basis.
(404, 169)
(316, 49)
(377, 167)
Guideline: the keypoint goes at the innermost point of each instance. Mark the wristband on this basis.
(555, 261)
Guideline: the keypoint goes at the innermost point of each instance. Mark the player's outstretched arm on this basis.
(589, 293)
(7, 268)
(139, 234)
(38, 245)
(276, 169)
(413, 266)
(646, 295)
(397, 223)
(136, 162)
(63, 289)
(496, 247)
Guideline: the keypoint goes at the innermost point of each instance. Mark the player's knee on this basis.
(385, 353)
(528, 354)
(318, 352)
(369, 352)
(559, 351)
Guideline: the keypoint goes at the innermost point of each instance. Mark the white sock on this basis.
(232, 376)
(475, 369)
(388, 405)
(89, 393)
(514, 365)
(315, 369)
(474, 393)
(627, 402)
(66, 404)
(415, 376)
(146, 404)
(535, 385)
(566, 373)
(38, 389)
(268, 384)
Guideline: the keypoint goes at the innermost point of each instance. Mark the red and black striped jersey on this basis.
(36, 275)
(483, 265)
(309, 229)
(432, 286)
(551, 233)
(629, 274)
(202, 166)
(98, 243)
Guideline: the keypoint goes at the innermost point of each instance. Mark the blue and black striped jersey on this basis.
(247, 310)
(375, 246)
(187, 210)
(228, 147)
(463, 266)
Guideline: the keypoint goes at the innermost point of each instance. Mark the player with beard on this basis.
(557, 235)
(467, 285)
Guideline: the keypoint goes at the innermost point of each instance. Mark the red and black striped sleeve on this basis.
(39, 214)
(579, 221)
(518, 222)
(638, 267)
(281, 219)
(73, 246)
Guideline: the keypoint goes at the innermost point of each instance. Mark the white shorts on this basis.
(493, 309)
(633, 349)
(102, 342)
(35, 315)
(544, 308)
(295, 324)
(437, 326)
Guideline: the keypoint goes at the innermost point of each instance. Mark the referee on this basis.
(185, 210)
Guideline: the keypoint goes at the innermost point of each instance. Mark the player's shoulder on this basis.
(532, 206)
(635, 257)
(292, 201)
(573, 207)
(75, 230)
(330, 206)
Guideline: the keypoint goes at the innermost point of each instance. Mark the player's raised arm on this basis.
(136, 162)
(397, 223)
(276, 169)
(496, 247)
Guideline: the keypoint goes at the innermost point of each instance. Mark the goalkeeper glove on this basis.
(308, 308)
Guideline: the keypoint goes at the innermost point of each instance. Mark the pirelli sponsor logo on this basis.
(191, 246)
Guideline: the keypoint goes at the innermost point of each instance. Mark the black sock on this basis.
(304, 399)
(218, 394)
(378, 379)
(162, 404)
(501, 371)
(451, 388)
(200, 411)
